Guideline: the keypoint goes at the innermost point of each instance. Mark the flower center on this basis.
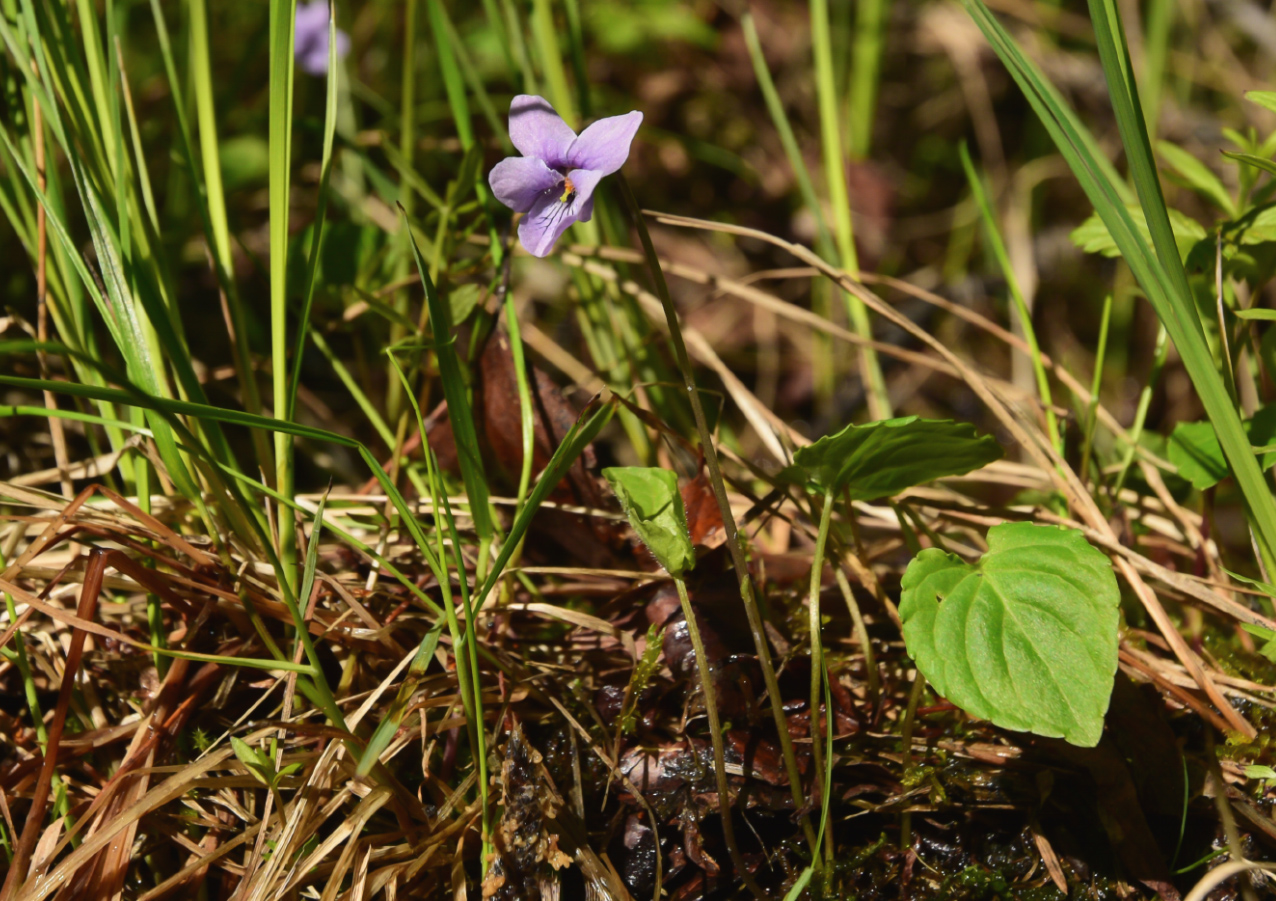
(569, 189)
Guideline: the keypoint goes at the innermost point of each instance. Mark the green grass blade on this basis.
(389, 725)
(582, 432)
(282, 16)
(312, 262)
(1016, 293)
(879, 402)
(456, 392)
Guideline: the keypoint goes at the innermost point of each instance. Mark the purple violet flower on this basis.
(311, 41)
(553, 181)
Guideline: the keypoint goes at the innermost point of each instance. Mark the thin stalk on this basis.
(734, 542)
(282, 15)
(998, 247)
(525, 414)
(1141, 413)
(715, 736)
(215, 197)
(817, 647)
(879, 403)
(861, 633)
(545, 35)
(1100, 356)
(407, 141)
(866, 68)
(1156, 48)
(906, 738)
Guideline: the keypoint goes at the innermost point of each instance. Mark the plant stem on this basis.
(998, 247)
(715, 735)
(734, 544)
(866, 65)
(861, 633)
(1099, 357)
(282, 13)
(906, 739)
(879, 404)
(817, 648)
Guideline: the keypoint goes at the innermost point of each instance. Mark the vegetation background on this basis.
(313, 587)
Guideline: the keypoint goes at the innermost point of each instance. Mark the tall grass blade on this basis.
(282, 16)
(456, 391)
(1159, 271)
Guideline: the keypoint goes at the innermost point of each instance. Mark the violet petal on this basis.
(604, 146)
(518, 180)
(549, 216)
(537, 130)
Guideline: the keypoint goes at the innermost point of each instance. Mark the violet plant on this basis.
(553, 182)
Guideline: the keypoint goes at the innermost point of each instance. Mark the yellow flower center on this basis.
(569, 190)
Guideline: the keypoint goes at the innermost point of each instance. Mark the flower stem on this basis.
(817, 648)
(734, 544)
(715, 735)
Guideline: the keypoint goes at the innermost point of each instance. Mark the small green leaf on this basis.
(1194, 448)
(883, 458)
(1092, 236)
(650, 498)
(1250, 160)
(1266, 636)
(1256, 771)
(1026, 638)
(1265, 99)
(1261, 313)
(256, 762)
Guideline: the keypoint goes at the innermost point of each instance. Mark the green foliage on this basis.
(635, 27)
(1025, 638)
(650, 498)
(648, 665)
(1194, 449)
(883, 458)
(262, 764)
(1093, 236)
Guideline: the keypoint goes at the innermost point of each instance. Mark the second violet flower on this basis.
(553, 182)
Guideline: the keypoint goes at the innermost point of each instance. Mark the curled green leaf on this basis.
(650, 498)
(883, 458)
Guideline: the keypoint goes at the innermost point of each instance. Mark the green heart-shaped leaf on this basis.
(883, 458)
(650, 498)
(1026, 638)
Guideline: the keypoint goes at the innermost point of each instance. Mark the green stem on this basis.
(866, 65)
(734, 543)
(407, 142)
(906, 738)
(998, 247)
(715, 736)
(1091, 420)
(1141, 413)
(861, 633)
(817, 648)
(879, 404)
(282, 14)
